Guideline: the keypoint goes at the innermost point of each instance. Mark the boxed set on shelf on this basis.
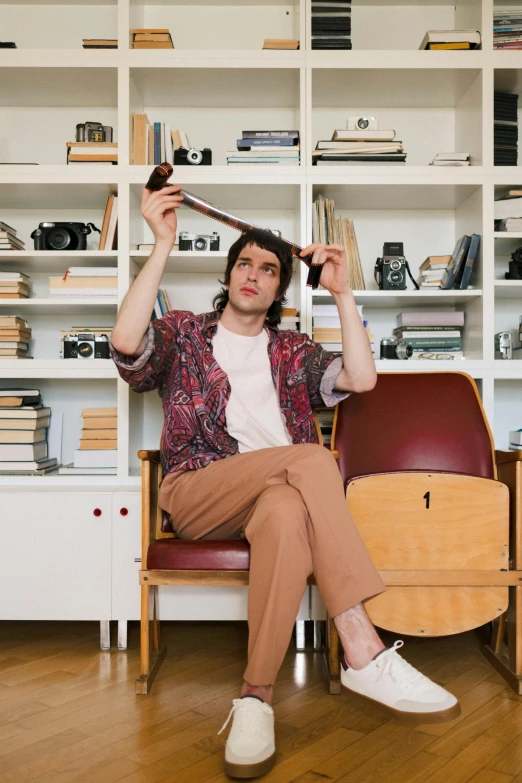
(266, 146)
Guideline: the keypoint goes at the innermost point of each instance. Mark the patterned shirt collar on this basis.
(210, 322)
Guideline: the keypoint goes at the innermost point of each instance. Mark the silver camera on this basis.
(188, 241)
(362, 123)
(503, 345)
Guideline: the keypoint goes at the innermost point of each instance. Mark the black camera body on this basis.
(86, 345)
(392, 348)
(61, 236)
(515, 266)
(188, 241)
(93, 131)
(192, 157)
(390, 270)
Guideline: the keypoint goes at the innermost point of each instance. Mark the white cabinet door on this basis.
(126, 548)
(56, 555)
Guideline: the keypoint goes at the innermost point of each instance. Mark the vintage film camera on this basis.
(503, 345)
(62, 236)
(392, 348)
(362, 123)
(515, 266)
(93, 131)
(188, 241)
(192, 157)
(86, 345)
(390, 270)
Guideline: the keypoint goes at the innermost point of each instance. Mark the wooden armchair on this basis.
(168, 560)
(421, 476)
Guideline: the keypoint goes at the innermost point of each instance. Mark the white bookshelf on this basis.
(215, 83)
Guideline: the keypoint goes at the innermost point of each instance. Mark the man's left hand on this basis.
(334, 274)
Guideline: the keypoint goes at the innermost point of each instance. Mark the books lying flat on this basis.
(431, 318)
(97, 412)
(508, 208)
(100, 423)
(33, 468)
(100, 43)
(343, 134)
(95, 458)
(451, 36)
(98, 444)
(18, 452)
(24, 413)
(392, 157)
(23, 424)
(281, 43)
(448, 46)
(23, 436)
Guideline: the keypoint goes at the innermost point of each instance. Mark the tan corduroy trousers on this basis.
(289, 503)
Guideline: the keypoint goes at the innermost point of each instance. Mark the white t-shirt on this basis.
(253, 415)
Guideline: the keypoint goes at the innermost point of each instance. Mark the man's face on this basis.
(254, 280)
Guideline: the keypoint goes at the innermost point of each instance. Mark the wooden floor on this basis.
(68, 712)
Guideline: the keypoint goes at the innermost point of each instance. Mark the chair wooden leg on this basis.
(497, 633)
(150, 659)
(331, 657)
(508, 660)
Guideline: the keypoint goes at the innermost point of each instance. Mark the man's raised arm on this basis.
(159, 210)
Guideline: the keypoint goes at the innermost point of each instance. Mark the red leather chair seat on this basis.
(178, 554)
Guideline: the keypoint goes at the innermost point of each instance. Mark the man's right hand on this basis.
(159, 210)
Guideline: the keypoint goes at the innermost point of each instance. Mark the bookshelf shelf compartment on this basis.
(508, 289)
(188, 261)
(397, 299)
(69, 306)
(57, 24)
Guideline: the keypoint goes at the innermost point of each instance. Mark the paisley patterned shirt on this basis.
(179, 363)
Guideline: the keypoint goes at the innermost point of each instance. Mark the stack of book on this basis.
(14, 337)
(86, 281)
(328, 230)
(151, 38)
(359, 147)
(451, 159)
(100, 153)
(14, 285)
(432, 271)
(99, 439)
(24, 424)
(515, 440)
(100, 43)
(331, 24)
(108, 234)
(451, 39)
(505, 124)
(281, 43)
(8, 238)
(162, 304)
(154, 142)
(507, 28)
(460, 266)
(289, 319)
(270, 146)
(508, 211)
(433, 335)
(326, 326)
(76, 330)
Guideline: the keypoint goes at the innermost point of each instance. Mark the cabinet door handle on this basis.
(97, 512)
(124, 511)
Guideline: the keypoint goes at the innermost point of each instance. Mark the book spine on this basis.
(406, 330)
(294, 134)
(451, 272)
(470, 261)
(157, 143)
(245, 143)
(429, 344)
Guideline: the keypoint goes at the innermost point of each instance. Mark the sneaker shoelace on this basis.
(400, 671)
(249, 717)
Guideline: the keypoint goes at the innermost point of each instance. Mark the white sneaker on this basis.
(392, 682)
(250, 748)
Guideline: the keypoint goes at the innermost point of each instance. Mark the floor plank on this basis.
(68, 712)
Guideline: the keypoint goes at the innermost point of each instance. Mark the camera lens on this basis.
(517, 255)
(58, 239)
(395, 278)
(395, 265)
(362, 123)
(85, 350)
(403, 350)
(200, 243)
(194, 156)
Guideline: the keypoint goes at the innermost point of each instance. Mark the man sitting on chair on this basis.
(240, 458)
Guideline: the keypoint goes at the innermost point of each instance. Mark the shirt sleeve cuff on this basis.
(329, 395)
(134, 362)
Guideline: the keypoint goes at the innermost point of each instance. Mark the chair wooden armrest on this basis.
(501, 457)
(153, 455)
